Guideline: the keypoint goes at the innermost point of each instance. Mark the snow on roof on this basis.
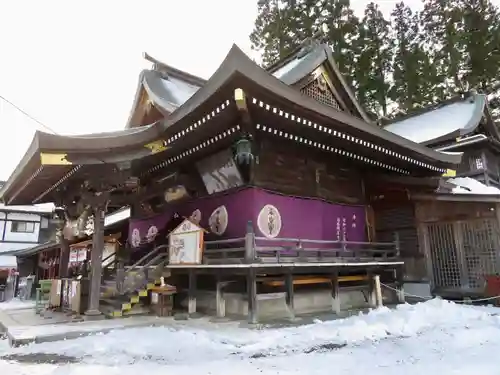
(440, 121)
(8, 261)
(168, 92)
(44, 208)
(180, 91)
(467, 185)
(117, 216)
(301, 65)
(280, 72)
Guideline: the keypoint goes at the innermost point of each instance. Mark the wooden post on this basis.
(378, 291)
(400, 284)
(397, 244)
(220, 301)
(249, 244)
(96, 262)
(335, 292)
(192, 291)
(289, 297)
(64, 261)
(120, 276)
(252, 296)
(371, 291)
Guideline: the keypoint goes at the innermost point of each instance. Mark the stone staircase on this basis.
(125, 291)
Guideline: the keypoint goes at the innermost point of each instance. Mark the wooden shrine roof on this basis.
(206, 117)
(457, 117)
(304, 60)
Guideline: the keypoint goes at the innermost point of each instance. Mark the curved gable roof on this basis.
(455, 118)
(167, 87)
(236, 71)
(305, 60)
(237, 62)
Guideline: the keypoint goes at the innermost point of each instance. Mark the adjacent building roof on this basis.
(304, 60)
(164, 86)
(110, 220)
(449, 120)
(28, 251)
(168, 87)
(46, 208)
(8, 261)
(52, 160)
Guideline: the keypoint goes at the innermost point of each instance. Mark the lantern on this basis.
(243, 151)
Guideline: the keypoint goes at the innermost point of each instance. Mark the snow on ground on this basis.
(17, 304)
(435, 336)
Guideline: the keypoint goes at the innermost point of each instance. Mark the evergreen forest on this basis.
(398, 62)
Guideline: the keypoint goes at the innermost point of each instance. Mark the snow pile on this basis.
(191, 345)
(17, 304)
(467, 185)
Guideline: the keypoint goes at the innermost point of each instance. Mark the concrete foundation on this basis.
(273, 305)
(23, 326)
(417, 292)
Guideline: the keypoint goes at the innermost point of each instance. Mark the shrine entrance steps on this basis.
(125, 292)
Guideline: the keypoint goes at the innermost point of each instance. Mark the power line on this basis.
(38, 121)
(28, 115)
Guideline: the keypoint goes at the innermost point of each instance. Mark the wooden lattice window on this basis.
(319, 90)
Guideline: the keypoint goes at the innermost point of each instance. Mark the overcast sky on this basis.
(74, 65)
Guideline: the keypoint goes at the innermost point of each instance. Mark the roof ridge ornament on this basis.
(158, 66)
(318, 38)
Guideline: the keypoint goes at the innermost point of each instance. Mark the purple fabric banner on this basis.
(272, 215)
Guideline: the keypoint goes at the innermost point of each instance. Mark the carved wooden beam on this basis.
(240, 99)
(150, 191)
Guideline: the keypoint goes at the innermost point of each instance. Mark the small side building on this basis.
(461, 124)
(22, 227)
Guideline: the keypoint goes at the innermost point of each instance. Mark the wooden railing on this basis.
(253, 249)
(130, 278)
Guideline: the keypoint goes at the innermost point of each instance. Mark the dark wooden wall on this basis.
(438, 211)
(298, 170)
(460, 241)
(482, 162)
(395, 214)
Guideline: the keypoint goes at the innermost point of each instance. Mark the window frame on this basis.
(16, 226)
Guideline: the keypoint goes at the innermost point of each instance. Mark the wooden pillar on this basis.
(192, 292)
(289, 293)
(220, 300)
(96, 262)
(397, 244)
(377, 291)
(249, 244)
(371, 291)
(400, 284)
(64, 260)
(252, 296)
(335, 292)
(497, 236)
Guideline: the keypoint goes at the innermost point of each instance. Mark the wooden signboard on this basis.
(55, 293)
(186, 243)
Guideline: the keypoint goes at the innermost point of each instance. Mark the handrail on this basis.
(155, 250)
(282, 249)
(109, 256)
(122, 276)
(229, 240)
(301, 240)
(152, 261)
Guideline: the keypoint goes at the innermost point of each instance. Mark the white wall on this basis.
(5, 246)
(18, 240)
